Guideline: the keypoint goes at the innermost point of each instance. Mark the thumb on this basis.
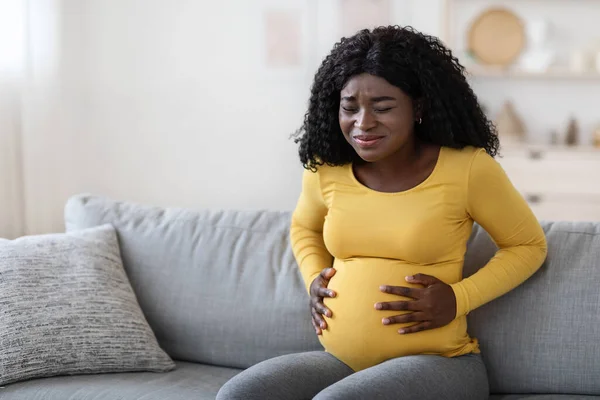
(422, 279)
(328, 273)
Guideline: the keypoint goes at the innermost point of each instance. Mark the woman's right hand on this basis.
(318, 291)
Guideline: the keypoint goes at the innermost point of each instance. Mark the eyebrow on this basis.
(373, 99)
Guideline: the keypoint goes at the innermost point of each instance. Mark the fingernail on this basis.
(401, 331)
(382, 288)
(331, 293)
(410, 278)
(322, 325)
(378, 306)
(386, 321)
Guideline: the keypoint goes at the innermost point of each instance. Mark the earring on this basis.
(419, 120)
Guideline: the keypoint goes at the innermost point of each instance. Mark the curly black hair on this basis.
(418, 64)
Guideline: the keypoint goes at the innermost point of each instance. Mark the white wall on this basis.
(160, 102)
(170, 103)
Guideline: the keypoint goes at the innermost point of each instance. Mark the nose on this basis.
(365, 120)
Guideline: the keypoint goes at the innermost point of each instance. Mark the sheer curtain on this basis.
(29, 59)
(12, 77)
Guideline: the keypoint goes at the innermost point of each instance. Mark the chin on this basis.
(371, 158)
(369, 155)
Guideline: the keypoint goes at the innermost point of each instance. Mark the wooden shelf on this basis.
(481, 72)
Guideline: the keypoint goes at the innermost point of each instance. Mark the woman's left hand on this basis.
(433, 306)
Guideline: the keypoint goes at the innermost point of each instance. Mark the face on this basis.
(376, 117)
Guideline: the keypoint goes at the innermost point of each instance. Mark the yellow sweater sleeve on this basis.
(494, 203)
(306, 231)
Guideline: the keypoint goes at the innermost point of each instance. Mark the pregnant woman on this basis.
(398, 159)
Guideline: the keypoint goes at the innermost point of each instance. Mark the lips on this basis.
(367, 140)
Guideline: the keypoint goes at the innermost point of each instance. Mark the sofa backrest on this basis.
(218, 288)
(544, 336)
(223, 288)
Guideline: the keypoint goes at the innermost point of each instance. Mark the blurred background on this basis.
(191, 103)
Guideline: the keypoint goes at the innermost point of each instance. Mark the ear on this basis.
(418, 109)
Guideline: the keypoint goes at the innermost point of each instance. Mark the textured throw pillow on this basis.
(67, 307)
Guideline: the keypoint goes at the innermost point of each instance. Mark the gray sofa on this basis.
(221, 291)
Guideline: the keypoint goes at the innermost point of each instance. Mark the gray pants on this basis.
(321, 376)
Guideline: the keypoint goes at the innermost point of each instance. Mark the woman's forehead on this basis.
(366, 85)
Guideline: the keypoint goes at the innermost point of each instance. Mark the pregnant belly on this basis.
(355, 333)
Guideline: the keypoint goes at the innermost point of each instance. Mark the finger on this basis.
(324, 292)
(405, 318)
(422, 326)
(318, 319)
(412, 305)
(315, 325)
(422, 279)
(327, 273)
(321, 309)
(402, 291)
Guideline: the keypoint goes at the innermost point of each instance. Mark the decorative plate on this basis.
(497, 37)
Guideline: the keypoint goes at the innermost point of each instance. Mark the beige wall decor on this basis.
(510, 126)
(360, 14)
(572, 133)
(283, 30)
(497, 37)
(596, 137)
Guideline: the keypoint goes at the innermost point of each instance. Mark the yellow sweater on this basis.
(374, 238)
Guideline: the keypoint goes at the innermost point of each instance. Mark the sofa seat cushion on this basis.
(187, 381)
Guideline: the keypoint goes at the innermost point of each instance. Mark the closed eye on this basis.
(382, 110)
(352, 110)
